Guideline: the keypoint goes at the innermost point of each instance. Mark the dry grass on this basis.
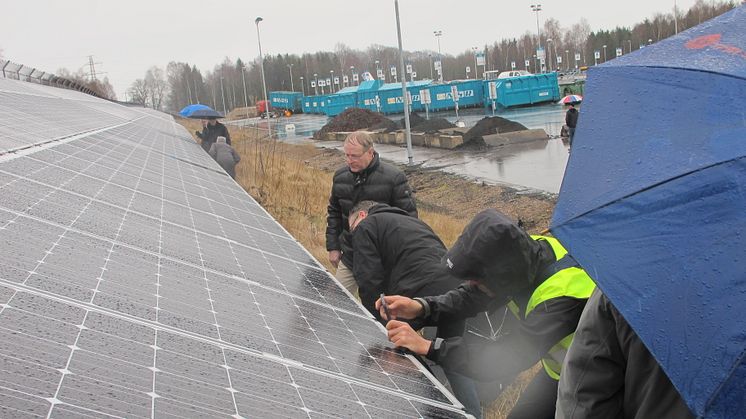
(296, 194)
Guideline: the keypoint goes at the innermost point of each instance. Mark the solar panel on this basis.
(138, 280)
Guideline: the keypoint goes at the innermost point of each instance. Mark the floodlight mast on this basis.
(264, 82)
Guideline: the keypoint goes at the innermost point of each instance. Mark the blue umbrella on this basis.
(653, 204)
(199, 111)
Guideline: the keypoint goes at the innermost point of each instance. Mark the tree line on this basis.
(232, 84)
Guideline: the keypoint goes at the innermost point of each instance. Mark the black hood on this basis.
(496, 252)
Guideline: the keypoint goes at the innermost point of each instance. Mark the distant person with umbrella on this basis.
(503, 266)
(225, 155)
(211, 128)
(571, 116)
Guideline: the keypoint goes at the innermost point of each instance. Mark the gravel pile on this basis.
(352, 119)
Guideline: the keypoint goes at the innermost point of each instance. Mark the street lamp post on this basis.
(476, 69)
(264, 80)
(604, 53)
(537, 8)
(438, 34)
(430, 56)
(222, 93)
(629, 41)
(290, 67)
(405, 97)
(302, 86)
(549, 55)
(331, 88)
(352, 76)
(567, 60)
(245, 94)
(316, 84)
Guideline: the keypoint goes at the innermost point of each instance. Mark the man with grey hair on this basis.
(225, 155)
(364, 177)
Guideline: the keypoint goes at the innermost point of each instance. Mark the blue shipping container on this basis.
(470, 94)
(390, 98)
(291, 101)
(523, 90)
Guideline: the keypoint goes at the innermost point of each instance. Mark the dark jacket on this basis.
(571, 117)
(398, 255)
(380, 182)
(609, 373)
(496, 252)
(210, 134)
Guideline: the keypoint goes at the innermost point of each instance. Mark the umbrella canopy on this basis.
(653, 204)
(571, 99)
(191, 108)
(205, 114)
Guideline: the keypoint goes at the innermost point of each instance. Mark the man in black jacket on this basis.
(502, 265)
(364, 177)
(609, 373)
(396, 253)
(211, 130)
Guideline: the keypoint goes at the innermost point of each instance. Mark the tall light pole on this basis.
(537, 8)
(316, 85)
(290, 67)
(430, 56)
(352, 76)
(604, 53)
(567, 60)
(407, 132)
(302, 86)
(476, 70)
(438, 34)
(264, 81)
(222, 93)
(549, 55)
(331, 88)
(245, 95)
(629, 41)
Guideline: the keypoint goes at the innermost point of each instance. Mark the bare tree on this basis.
(155, 85)
(138, 92)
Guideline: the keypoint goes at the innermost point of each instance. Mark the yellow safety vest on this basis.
(569, 282)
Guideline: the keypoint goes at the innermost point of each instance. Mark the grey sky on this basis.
(129, 36)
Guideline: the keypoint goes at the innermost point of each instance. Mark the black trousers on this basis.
(538, 400)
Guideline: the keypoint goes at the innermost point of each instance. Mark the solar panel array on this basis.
(138, 280)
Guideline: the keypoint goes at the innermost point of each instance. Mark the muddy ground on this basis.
(454, 195)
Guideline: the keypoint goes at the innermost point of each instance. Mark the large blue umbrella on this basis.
(653, 204)
(199, 111)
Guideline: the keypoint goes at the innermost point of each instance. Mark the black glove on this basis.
(199, 134)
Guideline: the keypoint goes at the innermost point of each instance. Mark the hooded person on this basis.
(225, 155)
(501, 265)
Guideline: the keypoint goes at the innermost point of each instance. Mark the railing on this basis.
(11, 70)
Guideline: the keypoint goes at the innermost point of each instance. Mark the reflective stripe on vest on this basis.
(571, 282)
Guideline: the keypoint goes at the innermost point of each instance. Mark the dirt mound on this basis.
(491, 125)
(433, 125)
(352, 119)
(387, 126)
(414, 120)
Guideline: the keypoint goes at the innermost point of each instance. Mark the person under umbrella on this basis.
(503, 266)
(211, 130)
(225, 155)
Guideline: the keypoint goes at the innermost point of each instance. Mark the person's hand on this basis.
(402, 335)
(334, 257)
(400, 307)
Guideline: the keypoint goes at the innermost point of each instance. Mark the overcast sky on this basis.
(129, 36)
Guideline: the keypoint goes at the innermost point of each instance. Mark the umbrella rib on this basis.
(655, 185)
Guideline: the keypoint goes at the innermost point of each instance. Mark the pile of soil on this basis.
(386, 126)
(352, 119)
(433, 125)
(487, 126)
